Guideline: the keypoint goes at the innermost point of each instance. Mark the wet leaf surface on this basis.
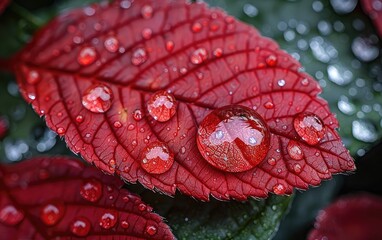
(60, 197)
(351, 217)
(90, 94)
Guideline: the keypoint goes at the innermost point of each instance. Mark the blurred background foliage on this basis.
(336, 44)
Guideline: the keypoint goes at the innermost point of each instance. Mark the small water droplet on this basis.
(279, 189)
(309, 127)
(87, 56)
(142, 207)
(271, 60)
(162, 106)
(91, 190)
(199, 56)
(147, 11)
(117, 124)
(111, 44)
(157, 158)
(294, 150)
(147, 33)
(139, 57)
(297, 168)
(218, 52)
(281, 83)
(137, 115)
(61, 130)
(364, 130)
(271, 161)
(220, 132)
(269, 105)
(196, 27)
(52, 213)
(80, 226)
(170, 46)
(125, 224)
(97, 98)
(151, 230)
(33, 77)
(305, 82)
(108, 219)
(10, 215)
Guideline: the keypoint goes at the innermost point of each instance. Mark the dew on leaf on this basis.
(294, 150)
(147, 33)
(297, 168)
(345, 106)
(125, 224)
(97, 98)
(80, 226)
(162, 106)
(137, 115)
(10, 215)
(169, 46)
(142, 207)
(309, 127)
(91, 190)
(147, 11)
(117, 124)
(271, 60)
(61, 130)
(111, 44)
(196, 27)
(279, 189)
(108, 219)
(281, 83)
(365, 49)
(79, 119)
(33, 77)
(271, 161)
(233, 138)
(139, 56)
(87, 56)
(218, 52)
(51, 213)
(151, 230)
(199, 56)
(269, 105)
(364, 130)
(157, 158)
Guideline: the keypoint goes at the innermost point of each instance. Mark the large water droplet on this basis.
(294, 150)
(233, 138)
(162, 106)
(108, 219)
(199, 56)
(111, 44)
(364, 130)
(10, 215)
(309, 127)
(97, 98)
(52, 213)
(91, 190)
(80, 226)
(157, 158)
(87, 56)
(139, 57)
(365, 49)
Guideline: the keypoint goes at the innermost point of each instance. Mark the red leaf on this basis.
(374, 9)
(352, 218)
(206, 59)
(47, 198)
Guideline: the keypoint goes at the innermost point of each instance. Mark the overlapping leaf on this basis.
(46, 198)
(374, 9)
(352, 217)
(249, 70)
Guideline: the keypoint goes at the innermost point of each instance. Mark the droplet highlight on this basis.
(233, 138)
(162, 106)
(97, 98)
(157, 158)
